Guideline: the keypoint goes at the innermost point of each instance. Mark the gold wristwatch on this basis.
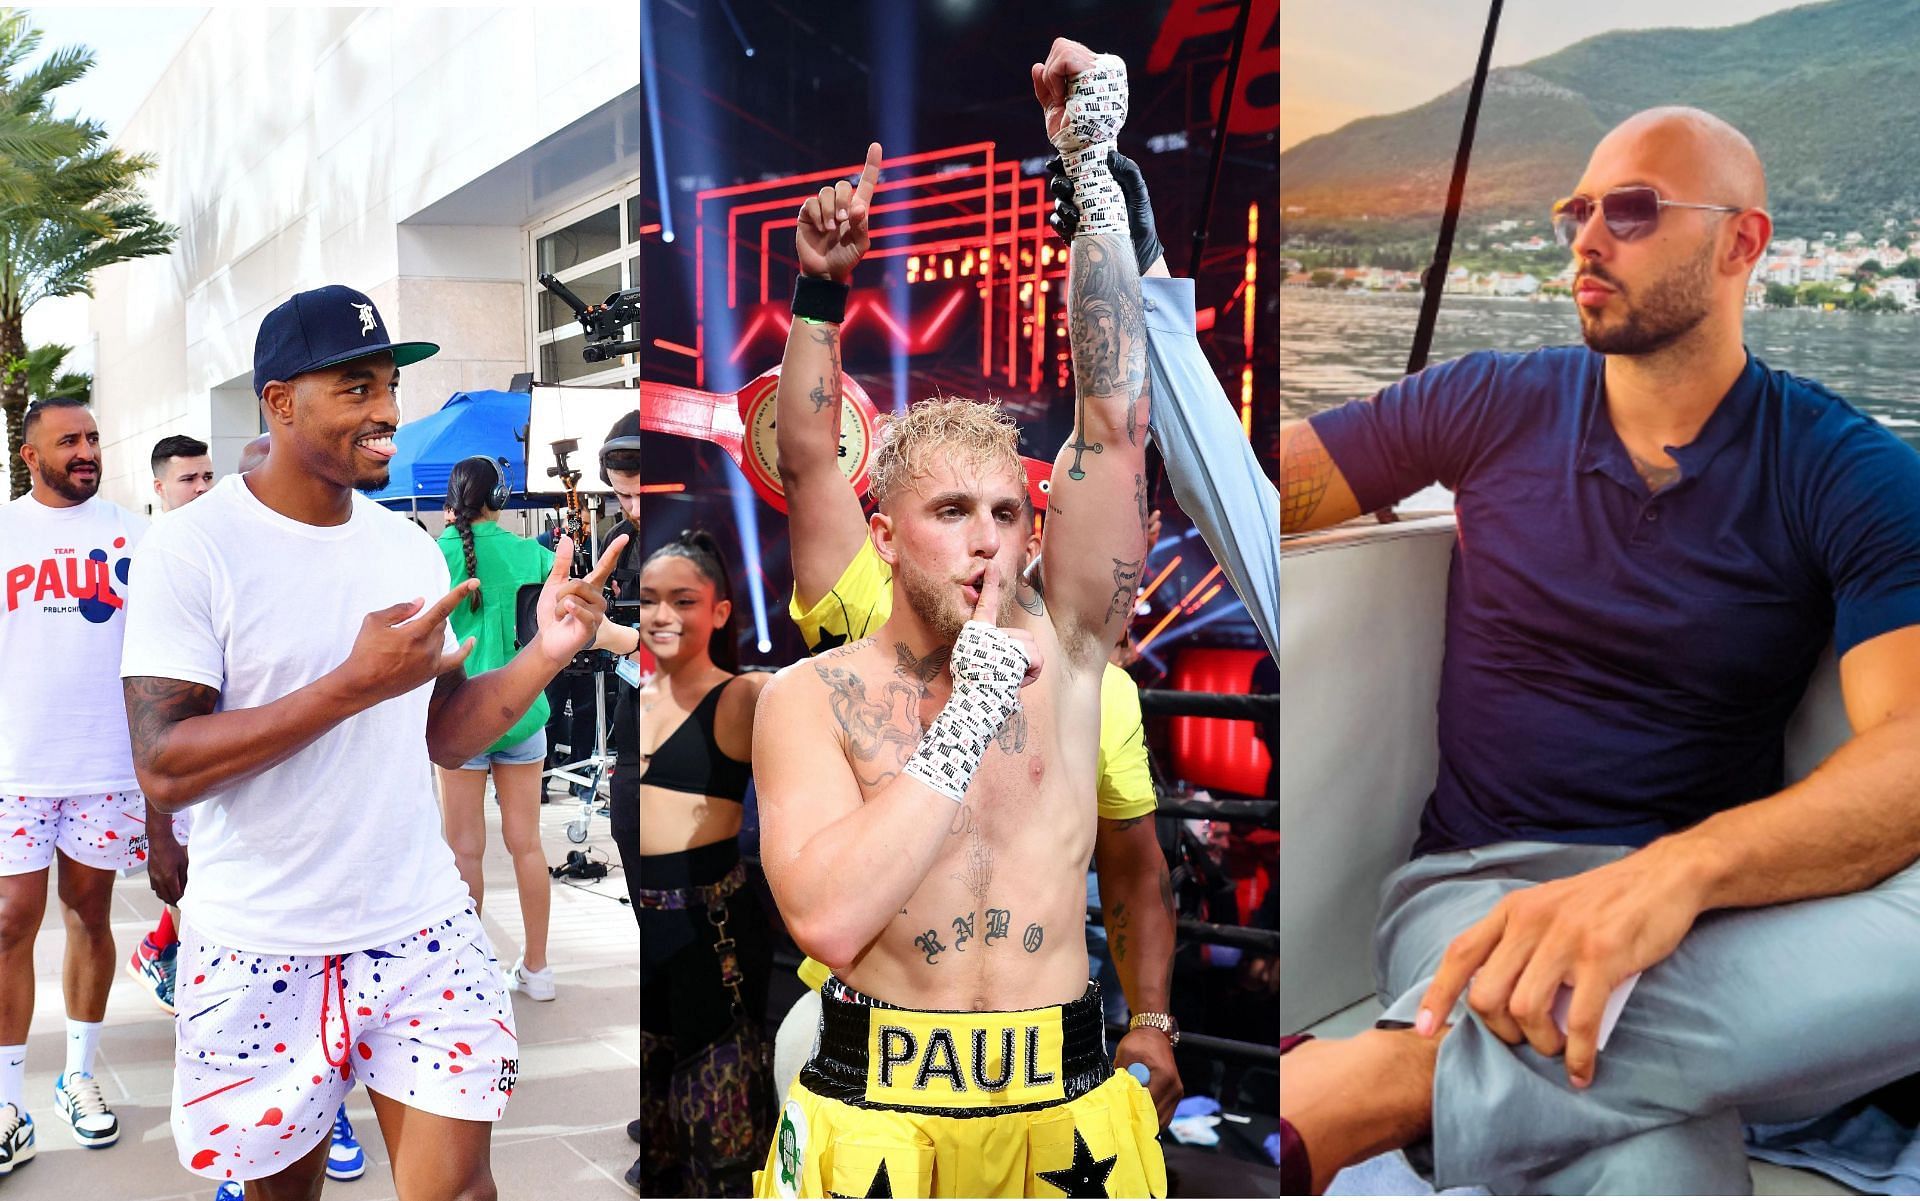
(1163, 1022)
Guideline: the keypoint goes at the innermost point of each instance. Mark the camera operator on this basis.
(620, 468)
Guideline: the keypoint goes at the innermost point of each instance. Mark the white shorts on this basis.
(260, 1041)
(103, 830)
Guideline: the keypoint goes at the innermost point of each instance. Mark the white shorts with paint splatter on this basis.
(269, 1045)
(103, 830)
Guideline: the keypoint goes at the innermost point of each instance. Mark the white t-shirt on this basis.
(338, 848)
(63, 584)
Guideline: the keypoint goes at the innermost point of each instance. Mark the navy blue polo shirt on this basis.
(1620, 665)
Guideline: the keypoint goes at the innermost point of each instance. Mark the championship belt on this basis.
(741, 424)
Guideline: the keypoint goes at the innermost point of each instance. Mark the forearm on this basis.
(472, 716)
(1107, 337)
(616, 638)
(180, 761)
(159, 826)
(1846, 827)
(806, 428)
(839, 891)
(1135, 901)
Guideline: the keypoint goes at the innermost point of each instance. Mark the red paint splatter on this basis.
(503, 1027)
(464, 1048)
(365, 1012)
(112, 837)
(271, 1117)
(414, 1022)
(202, 1158)
(448, 994)
(199, 979)
(279, 1047)
(316, 1079)
(366, 1052)
(220, 1129)
(454, 1067)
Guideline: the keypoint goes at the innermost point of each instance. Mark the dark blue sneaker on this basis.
(85, 1111)
(155, 973)
(345, 1159)
(229, 1190)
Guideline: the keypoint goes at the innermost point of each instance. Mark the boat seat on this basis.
(1359, 690)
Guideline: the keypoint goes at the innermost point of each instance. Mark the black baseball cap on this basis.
(323, 328)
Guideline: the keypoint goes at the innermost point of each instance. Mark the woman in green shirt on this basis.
(476, 546)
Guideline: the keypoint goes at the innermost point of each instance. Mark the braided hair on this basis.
(468, 488)
(699, 548)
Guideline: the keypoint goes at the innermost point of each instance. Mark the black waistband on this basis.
(840, 1068)
(684, 869)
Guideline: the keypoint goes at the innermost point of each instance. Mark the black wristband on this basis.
(816, 299)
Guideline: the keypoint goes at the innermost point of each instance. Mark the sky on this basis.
(131, 47)
(1345, 59)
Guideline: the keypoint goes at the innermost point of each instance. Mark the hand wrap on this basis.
(987, 669)
(1096, 109)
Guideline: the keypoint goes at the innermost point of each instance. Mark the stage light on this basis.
(652, 85)
(666, 235)
(765, 644)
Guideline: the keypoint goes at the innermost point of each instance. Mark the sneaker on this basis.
(86, 1111)
(537, 985)
(16, 1137)
(229, 1190)
(345, 1159)
(155, 973)
(636, 1130)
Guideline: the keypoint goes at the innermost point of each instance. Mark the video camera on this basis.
(603, 323)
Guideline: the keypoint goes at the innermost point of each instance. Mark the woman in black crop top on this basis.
(706, 1100)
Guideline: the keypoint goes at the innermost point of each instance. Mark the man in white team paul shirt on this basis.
(67, 787)
(272, 682)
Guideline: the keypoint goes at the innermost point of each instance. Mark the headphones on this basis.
(611, 445)
(502, 492)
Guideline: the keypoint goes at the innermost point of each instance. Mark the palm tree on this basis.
(45, 380)
(69, 205)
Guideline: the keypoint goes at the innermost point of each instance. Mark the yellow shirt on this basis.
(861, 601)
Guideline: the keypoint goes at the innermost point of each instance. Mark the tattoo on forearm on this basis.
(1140, 502)
(1107, 325)
(156, 705)
(1128, 823)
(1126, 574)
(820, 397)
(1117, 921)
(1031, 939)
(827, 391)
(1306, 471)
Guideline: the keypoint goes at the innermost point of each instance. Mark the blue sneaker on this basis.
(16, 1137)
(85, 1110)
(229, 1190)
(155, 973)
(345, 1159)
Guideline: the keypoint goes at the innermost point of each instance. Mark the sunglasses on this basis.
(1629, 213)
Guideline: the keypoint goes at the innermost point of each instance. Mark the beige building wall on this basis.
(402, 151)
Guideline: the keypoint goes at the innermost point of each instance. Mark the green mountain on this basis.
(1826, 92)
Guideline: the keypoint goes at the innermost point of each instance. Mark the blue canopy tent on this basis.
(470, 423)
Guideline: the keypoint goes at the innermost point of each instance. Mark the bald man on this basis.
(1659, 535)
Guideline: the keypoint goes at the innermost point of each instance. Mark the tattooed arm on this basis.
(1136, 898)
(1096, 534)
(840, 868)
(824, 519)
(182, 749)
(1313, 493)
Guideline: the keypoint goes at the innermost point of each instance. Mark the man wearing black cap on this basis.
(271, 681)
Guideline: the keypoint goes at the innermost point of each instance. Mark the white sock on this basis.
(83, 1039)
(13, 1075)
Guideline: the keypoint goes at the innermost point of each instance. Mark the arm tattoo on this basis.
(1107, 323)
(827, 390)
(1126, 573)
(1306, 470)
(1117, 921)
(156, 705)
(1140, 501)
(1128, 823)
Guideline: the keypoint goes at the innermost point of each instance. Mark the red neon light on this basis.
(1203, 320)
(644, 488)
(644, 230)
(1246, 335)
(676, 348)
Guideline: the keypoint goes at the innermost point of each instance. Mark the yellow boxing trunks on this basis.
(906, 1103)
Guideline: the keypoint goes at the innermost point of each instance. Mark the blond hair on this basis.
(978, 433)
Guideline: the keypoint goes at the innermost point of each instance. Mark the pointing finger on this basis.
(445, 605)
(987, 608)
(562, 560)
(609, 559)
(869, 174)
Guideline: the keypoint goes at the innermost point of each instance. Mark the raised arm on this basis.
(1097, 509)
(825, 524)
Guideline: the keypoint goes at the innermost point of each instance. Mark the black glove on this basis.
(1065, 218)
